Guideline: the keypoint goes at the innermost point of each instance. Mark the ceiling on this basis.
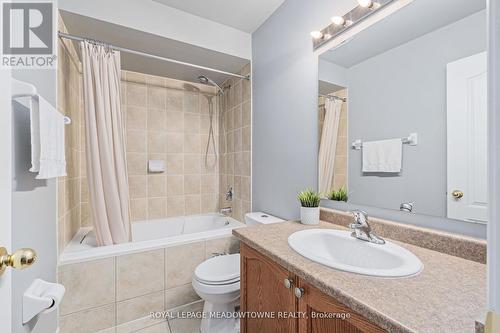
(416, 19)
(164, 47)
(244, 15)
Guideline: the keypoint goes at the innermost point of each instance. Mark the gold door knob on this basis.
(457, 194)
(20, 259)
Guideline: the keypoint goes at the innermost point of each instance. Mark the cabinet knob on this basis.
(299, 292)
(288, 283)
(457, 194)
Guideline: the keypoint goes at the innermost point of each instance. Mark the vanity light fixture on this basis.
(338, 20)
(316, 34)
(340, 24)
(368, 4)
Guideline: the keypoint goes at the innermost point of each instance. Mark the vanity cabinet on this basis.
(275, 300)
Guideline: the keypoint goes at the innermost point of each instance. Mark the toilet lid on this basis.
(219, 270)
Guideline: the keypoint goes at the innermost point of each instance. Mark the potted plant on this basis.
(338, 195)
(309, 210)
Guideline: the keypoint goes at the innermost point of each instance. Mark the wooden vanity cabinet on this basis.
(268, 288)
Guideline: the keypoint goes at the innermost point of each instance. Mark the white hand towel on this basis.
(383, 156)
(47, 140)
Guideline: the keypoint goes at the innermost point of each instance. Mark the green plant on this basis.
(309, 198)
(338, 195)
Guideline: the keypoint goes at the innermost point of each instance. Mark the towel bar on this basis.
(24, 89)
(411, 140)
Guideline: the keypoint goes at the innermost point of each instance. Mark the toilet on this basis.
(217, 282)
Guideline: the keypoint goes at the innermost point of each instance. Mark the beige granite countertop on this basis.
(447, 296)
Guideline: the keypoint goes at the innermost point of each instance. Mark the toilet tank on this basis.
(255, 218)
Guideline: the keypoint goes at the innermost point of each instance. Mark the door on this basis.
(27, 208)
(324, 314)
(263, 291)
(467, 139)
(5, 198)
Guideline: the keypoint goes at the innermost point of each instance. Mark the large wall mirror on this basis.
(402, 113)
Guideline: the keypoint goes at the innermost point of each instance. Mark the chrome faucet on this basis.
(229, 194)
(362, 229)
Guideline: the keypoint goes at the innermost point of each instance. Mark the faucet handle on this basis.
(357, 213)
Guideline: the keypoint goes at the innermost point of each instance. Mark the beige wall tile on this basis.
(191, 102)
(192, 204)
(157, 120)
(175, 164)
(192, 184)
(137, 141)
(191, 123)
(157, 142)
(139, 209)
(157, 98)
(175, 185)
(181, 295)
(83, 289)
(136, 117)
(157, 208)
(237, 140)
(139, 274)
(209, 203)
(175, 100)
(137, 163)
(226, 244)
(246, 139)
(175, 143)
(139, 307)
(209, 184)
(192, 164)
(246, 113)
(92, 320)
(192, 143)
(246, 163)
(136, 94)
(157, 186)
(181, 261)
(175, 121)
(245, 188)
(175, 206)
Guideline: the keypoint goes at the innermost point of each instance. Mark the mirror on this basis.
(402, 113)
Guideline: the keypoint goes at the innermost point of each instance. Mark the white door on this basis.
(467, 107)
(5, 198)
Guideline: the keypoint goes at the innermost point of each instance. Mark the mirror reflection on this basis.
(402, 113)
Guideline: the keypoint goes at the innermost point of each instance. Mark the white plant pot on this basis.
(309, 215)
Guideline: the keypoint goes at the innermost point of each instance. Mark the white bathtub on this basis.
(150, 235)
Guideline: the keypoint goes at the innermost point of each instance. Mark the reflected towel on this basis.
(383, 156)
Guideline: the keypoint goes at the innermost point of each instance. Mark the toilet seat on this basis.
(218, 271)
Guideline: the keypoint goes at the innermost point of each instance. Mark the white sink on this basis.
(338, 249)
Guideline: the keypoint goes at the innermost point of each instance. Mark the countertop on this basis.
(447, 296)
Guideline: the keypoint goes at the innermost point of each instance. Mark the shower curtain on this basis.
(105, 145)
(328, 144)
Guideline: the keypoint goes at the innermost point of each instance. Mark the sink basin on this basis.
(338, 249)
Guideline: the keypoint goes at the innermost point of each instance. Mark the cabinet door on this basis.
(318, 306)
(263, 291)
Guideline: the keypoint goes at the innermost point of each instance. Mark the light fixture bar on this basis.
(354, 17)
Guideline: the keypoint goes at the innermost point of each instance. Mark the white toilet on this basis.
(217, 282)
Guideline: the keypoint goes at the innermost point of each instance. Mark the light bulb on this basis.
(365, 3)
(338, 20)
(316, 34)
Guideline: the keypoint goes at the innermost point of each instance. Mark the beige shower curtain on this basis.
(105, 145)
(328, 144)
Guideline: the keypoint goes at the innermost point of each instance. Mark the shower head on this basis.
(205, 80)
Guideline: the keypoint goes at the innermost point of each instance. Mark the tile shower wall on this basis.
(168, 120)
(235, 164)
(70, 103)
(131, 286)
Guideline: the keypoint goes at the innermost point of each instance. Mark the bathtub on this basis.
(150, 235)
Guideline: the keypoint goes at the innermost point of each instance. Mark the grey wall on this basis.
(34, 207)
(284, 88)
(403, 91)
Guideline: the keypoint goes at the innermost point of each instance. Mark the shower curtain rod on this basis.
(152, 56)
(333, 97)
